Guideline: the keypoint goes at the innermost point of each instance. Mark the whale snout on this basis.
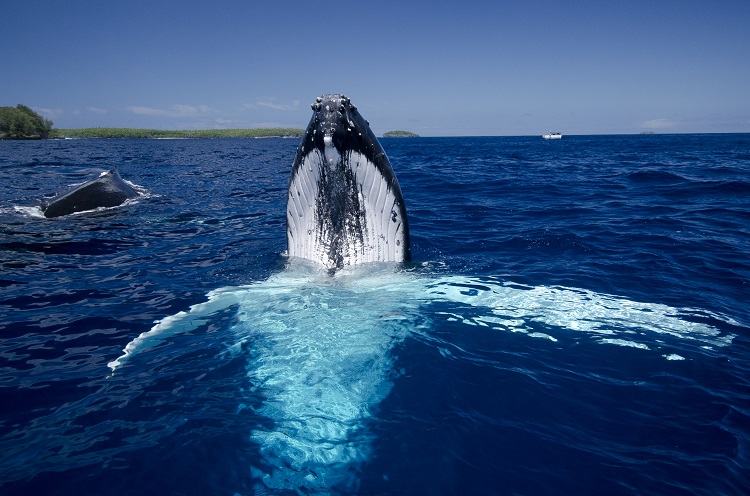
(335, 117)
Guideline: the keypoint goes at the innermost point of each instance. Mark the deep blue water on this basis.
(575, 321)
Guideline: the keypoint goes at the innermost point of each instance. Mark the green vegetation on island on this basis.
(400, 134)
(115, 132)
(21, 122)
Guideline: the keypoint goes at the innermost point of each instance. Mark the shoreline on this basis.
(119, 133)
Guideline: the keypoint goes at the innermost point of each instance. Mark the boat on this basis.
(552, 136)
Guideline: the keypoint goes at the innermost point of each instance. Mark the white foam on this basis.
(672, 356)
(510, 306)
(624, 342)
(320, 348)
(196, 316)
(29, 211)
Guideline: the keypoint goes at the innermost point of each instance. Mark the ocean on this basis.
(575, 320)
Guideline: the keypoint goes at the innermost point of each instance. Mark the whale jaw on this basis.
(344, 205)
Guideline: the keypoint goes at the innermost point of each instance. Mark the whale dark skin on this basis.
(108, 190)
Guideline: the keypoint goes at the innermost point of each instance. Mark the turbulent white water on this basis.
(320, 349)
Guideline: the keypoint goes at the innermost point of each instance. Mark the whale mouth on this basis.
(344, 205)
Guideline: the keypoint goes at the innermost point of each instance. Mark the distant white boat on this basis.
(552, 136)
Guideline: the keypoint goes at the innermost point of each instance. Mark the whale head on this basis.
(344, 204)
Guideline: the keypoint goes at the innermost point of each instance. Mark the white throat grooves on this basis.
(301, 222)
(383, 231)
(374, 229)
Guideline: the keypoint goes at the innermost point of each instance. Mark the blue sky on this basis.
(470, 68)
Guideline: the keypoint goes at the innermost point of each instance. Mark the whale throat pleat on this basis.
(368, 226)
(344, 205)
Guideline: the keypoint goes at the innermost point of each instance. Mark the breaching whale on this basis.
(108, 190)
(322, 339)
(344, 205)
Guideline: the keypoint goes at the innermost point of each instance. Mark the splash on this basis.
(322, 356)
(610, 319)
(320, 350)
(320, 353)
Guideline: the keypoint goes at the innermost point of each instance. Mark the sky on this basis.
(440, 68)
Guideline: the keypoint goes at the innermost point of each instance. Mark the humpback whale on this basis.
(108, 190)
(344, 205)
(322, 339)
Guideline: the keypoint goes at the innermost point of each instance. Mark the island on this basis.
(400, 134)
(122, 132)
(22, 123)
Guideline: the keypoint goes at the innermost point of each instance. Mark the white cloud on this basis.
(173, 111)
(50, 112)
(223, 121)
(658, 124)
(96, 110)
(270, 102)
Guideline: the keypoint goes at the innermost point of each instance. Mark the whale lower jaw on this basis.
(358, 223)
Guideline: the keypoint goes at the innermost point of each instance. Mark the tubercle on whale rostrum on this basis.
(340, 105)
(335, 122)
(344, 103)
